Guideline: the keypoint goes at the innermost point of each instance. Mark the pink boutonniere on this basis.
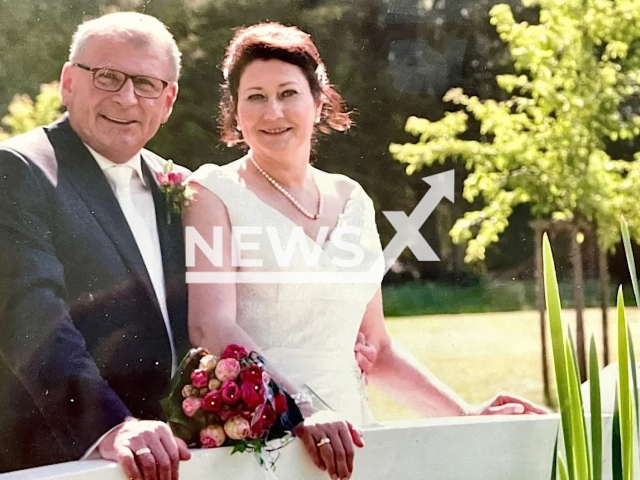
(176, 193)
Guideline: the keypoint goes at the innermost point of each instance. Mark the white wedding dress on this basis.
(307, 331)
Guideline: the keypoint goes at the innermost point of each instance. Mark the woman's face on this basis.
(276, 110)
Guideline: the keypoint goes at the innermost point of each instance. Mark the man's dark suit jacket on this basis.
(82, 339)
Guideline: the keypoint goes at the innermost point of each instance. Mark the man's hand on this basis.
(146, 449)
(366, 354)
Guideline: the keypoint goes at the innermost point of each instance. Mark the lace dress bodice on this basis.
(306, 330)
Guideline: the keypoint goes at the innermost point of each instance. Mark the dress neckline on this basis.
(340, 220)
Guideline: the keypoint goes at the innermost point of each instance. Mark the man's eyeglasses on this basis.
(111, 80)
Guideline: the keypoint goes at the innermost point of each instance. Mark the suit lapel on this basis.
(173, 262)
(78, 166)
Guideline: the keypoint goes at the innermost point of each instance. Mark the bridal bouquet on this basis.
(227, 400)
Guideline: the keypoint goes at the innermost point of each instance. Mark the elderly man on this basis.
(92, 291)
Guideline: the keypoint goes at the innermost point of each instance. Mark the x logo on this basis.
(408, 227)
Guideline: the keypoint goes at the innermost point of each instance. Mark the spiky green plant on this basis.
(578, 461)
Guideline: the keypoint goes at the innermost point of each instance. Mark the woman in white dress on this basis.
(297, 307)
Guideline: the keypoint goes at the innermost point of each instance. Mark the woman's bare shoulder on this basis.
(342, 185)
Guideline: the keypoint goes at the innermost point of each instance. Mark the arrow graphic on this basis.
(408, 228)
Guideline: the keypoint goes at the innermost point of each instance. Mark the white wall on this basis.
(470, 448)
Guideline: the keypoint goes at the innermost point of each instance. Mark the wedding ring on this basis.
(142, 451)
(322, 442)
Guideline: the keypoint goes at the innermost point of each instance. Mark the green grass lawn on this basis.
(481, 354)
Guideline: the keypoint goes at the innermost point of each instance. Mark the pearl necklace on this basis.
(290, 197)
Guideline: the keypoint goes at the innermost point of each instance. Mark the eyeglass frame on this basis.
(94, 70)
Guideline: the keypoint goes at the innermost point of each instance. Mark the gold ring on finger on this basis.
(142, 451)
(322, 442)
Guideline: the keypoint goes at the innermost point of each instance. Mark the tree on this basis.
(578, 74)
(546, 143)
(25, 114)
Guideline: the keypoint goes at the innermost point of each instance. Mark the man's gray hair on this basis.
(134, 27)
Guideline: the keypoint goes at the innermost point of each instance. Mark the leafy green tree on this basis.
(26, 114)
(545, 142)
(34, 42)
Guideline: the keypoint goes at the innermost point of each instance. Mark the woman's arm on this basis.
(402, 375)
(212, 306)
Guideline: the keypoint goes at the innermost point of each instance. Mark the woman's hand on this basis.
(366, 354)
(330, 441)
(507, 404)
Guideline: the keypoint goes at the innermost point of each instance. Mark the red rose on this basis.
(264, 419)
(280, 403)
(268, 417)
(257, 430)
(230, 393)
(252, 374)
(226, 413)
(246, 414)
(234, 351)
(175, 178)
(252, 394)
(200, 378)
(212, 401)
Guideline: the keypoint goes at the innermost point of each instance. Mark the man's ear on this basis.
(66, 88)
(169, 100)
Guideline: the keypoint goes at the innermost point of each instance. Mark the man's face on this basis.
(117, 124)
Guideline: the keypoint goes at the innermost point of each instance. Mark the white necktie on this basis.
(137, 205)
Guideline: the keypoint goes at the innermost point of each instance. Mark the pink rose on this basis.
(252, 394)
(252, 374)
(237, 428)
(230, 392)
(191, 405)
(162, 178)
(227, 369)
(212, 401)
(234, 351)
(212, 436)
(175, 178)
(280, 403)
(200, 378)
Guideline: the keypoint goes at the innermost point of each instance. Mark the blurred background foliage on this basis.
(391, 59)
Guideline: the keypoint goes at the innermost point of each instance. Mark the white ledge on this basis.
(468, 448)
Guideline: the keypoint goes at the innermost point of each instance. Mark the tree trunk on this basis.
(604, 302)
